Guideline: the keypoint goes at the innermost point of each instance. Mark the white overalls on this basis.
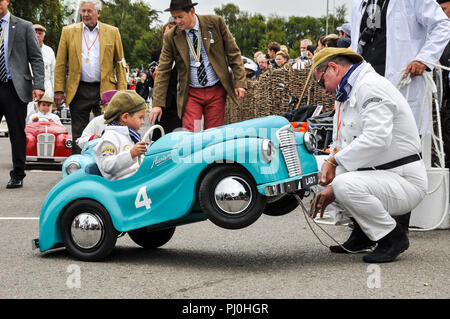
(373, 127)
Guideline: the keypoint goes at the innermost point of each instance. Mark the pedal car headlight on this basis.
(68, 143)
(268, 150)
(310, 142)
(72, 167)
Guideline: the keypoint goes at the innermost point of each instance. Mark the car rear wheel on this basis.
(151, 239)
(283, 205)
(229, 197)
(87, 231)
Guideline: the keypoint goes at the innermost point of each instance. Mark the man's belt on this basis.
(394, 164)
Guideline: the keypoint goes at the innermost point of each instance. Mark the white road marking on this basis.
(19, 218)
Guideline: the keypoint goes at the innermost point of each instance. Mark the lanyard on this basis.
(197, 55)
(87, 46)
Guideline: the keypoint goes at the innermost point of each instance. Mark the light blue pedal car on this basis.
(229, 175)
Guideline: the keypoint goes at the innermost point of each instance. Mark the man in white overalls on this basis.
(375, 170)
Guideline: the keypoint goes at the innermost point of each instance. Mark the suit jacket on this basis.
(68, 60)
(222, 51)
(23, 52)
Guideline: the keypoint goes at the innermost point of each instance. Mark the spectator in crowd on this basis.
(344, 36)
(320, 43)
(256, 55)
(48, 56)
(263, 65)
(345, 31)
(19, 53)
(272, 50)
(203, 68)
(86, 81)
(331, 41)
(250, 70)
(282, 60)
(133, 82)
(143, 86)
(304, 45)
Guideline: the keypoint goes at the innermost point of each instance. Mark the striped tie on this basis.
(201, 70)
(2, 59)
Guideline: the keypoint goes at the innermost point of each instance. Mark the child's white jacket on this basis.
(113, 155)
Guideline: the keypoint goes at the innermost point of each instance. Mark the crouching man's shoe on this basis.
(389, 247)
(14, 183)
(357, 242)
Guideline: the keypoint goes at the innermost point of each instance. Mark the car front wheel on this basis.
(229, 197)
(87, 231)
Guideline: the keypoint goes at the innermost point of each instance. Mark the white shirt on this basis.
(416, 30)
(95, 127)
(210, 73)
(49, 64)
(90, 58)
(112, 153)
(44, 117)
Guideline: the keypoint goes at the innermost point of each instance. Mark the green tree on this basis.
(49, 13)
(134, 20)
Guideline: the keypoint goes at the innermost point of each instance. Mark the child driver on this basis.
(120, 146)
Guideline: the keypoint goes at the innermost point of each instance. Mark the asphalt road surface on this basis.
(277, 258)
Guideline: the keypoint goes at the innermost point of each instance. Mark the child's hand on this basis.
(138, 149)
(50, 120)
(35, 119)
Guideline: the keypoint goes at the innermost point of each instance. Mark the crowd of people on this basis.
(277, 56)
(200, 64)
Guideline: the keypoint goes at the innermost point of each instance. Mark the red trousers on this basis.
(209, 102)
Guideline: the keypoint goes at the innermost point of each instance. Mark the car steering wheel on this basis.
(148, 136)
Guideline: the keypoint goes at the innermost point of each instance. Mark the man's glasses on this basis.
(321, 82)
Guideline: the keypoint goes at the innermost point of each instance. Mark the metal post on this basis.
(326, 28)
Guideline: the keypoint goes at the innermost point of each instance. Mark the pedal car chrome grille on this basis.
(288, 145)
(45, 145)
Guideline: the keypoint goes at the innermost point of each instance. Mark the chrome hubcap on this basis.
(233, 195)
(87, 230)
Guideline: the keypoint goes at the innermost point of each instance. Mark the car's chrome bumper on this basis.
(45, 159)
(292, 186)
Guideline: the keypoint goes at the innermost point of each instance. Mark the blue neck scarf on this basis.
(341, 92)
(134, 135)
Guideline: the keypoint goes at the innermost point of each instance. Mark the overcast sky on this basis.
(284, 8)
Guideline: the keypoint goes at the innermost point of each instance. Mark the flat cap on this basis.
(327, 54)
(126, 101)
(39, 27)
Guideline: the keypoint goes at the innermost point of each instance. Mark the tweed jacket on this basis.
(68, 60)
(223, 54)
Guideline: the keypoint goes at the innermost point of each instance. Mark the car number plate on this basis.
(310, 180)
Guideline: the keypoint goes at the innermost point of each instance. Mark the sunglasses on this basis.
(321, 81)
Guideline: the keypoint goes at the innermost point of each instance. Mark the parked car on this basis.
(229, 175)
(47, 142)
